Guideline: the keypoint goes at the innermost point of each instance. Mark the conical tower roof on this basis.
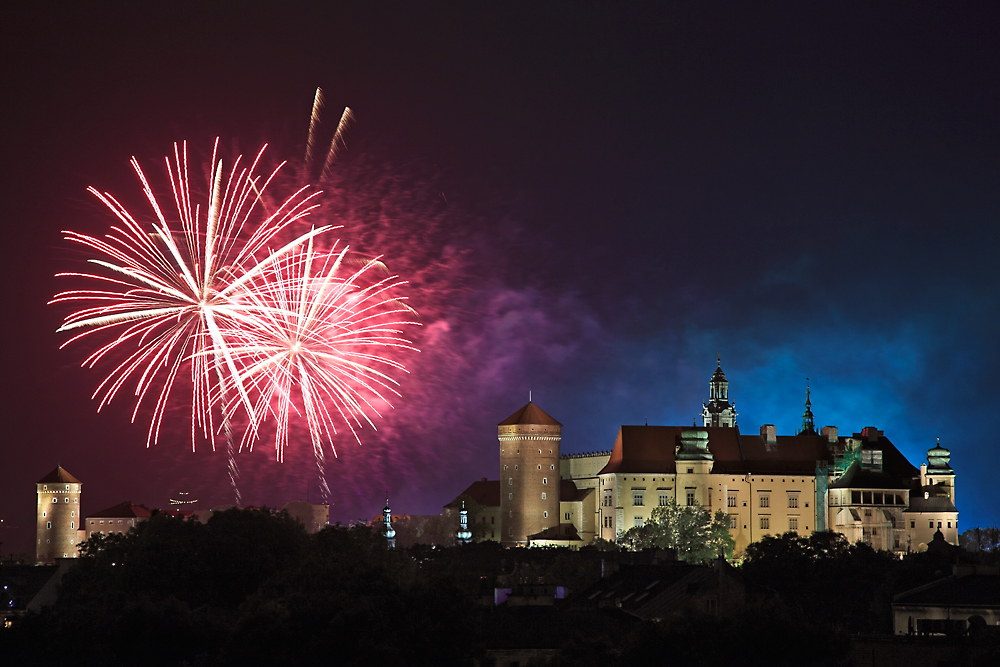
(530, 414)
(59, 475)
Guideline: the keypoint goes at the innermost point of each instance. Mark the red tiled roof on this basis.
(59, 475)
(562, 532)
(125, 510)
(485, 492)
(651, 449)
(568, 493)
(530, 414)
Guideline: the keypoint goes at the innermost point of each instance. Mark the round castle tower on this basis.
(58, 515)
(529, 474)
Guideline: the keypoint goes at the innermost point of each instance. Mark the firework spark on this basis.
(167, 287)
(315, 342)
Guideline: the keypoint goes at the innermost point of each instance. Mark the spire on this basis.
(718, 411)
(387, 530)
(808, 423)
(463, 535)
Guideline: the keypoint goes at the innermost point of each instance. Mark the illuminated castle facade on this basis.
(859, 485)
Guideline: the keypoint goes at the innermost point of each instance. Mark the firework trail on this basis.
(168, 287)
(316, 343)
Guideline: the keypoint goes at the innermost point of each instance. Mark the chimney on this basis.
(769, 433)
(870, 434)
(830, 433)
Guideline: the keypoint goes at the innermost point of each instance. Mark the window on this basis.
(510, 481)
(552, 467)
(690, 498)
(510, 532)
(765, 522)
(690, 471)
(43, 515)
(733, 519)
(930, 524)
(73, 513)
(949, 524)
(607, 499)
(793, 499)
(731, 502)
(765, 500)
(868, 512)
(637, 498)
(72, 524)
(545, 480)
(67, 501)
(48, 524)
(939, 524)
(510, 514)
(638, 521)
(607, 522)
(793, 523)
(510, 496)
(505, 467)
(539, 466)
(543, 495)
(664, 499)
(545, 515)
(913, 524)
(493, 520)
(566, 515)
(55, 500)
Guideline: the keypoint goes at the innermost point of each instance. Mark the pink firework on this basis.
(167, 287)
(317, 340)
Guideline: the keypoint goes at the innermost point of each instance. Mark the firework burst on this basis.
(315, 341)
(167, 288)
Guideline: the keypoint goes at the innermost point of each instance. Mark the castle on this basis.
(859, 485)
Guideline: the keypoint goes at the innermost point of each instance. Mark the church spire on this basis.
(808, 423)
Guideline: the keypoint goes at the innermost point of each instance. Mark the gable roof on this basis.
(485, 492)
(530, 414)
(59, 475)
(124, 510)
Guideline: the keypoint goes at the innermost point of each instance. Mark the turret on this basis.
(58, 516)
(387, 530)
(718, 411)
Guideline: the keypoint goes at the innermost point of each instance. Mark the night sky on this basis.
(591, 202)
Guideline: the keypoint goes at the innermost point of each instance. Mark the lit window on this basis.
(765, 523)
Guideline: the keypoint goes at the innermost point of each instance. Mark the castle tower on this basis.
(529, 474)
(58, 515)
(808, 423)
(718, 411)
(939, 471)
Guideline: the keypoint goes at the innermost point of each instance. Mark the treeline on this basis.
(252, 587)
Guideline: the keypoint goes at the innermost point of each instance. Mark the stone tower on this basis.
(58, 516)
(718, 411)
(529, 474)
